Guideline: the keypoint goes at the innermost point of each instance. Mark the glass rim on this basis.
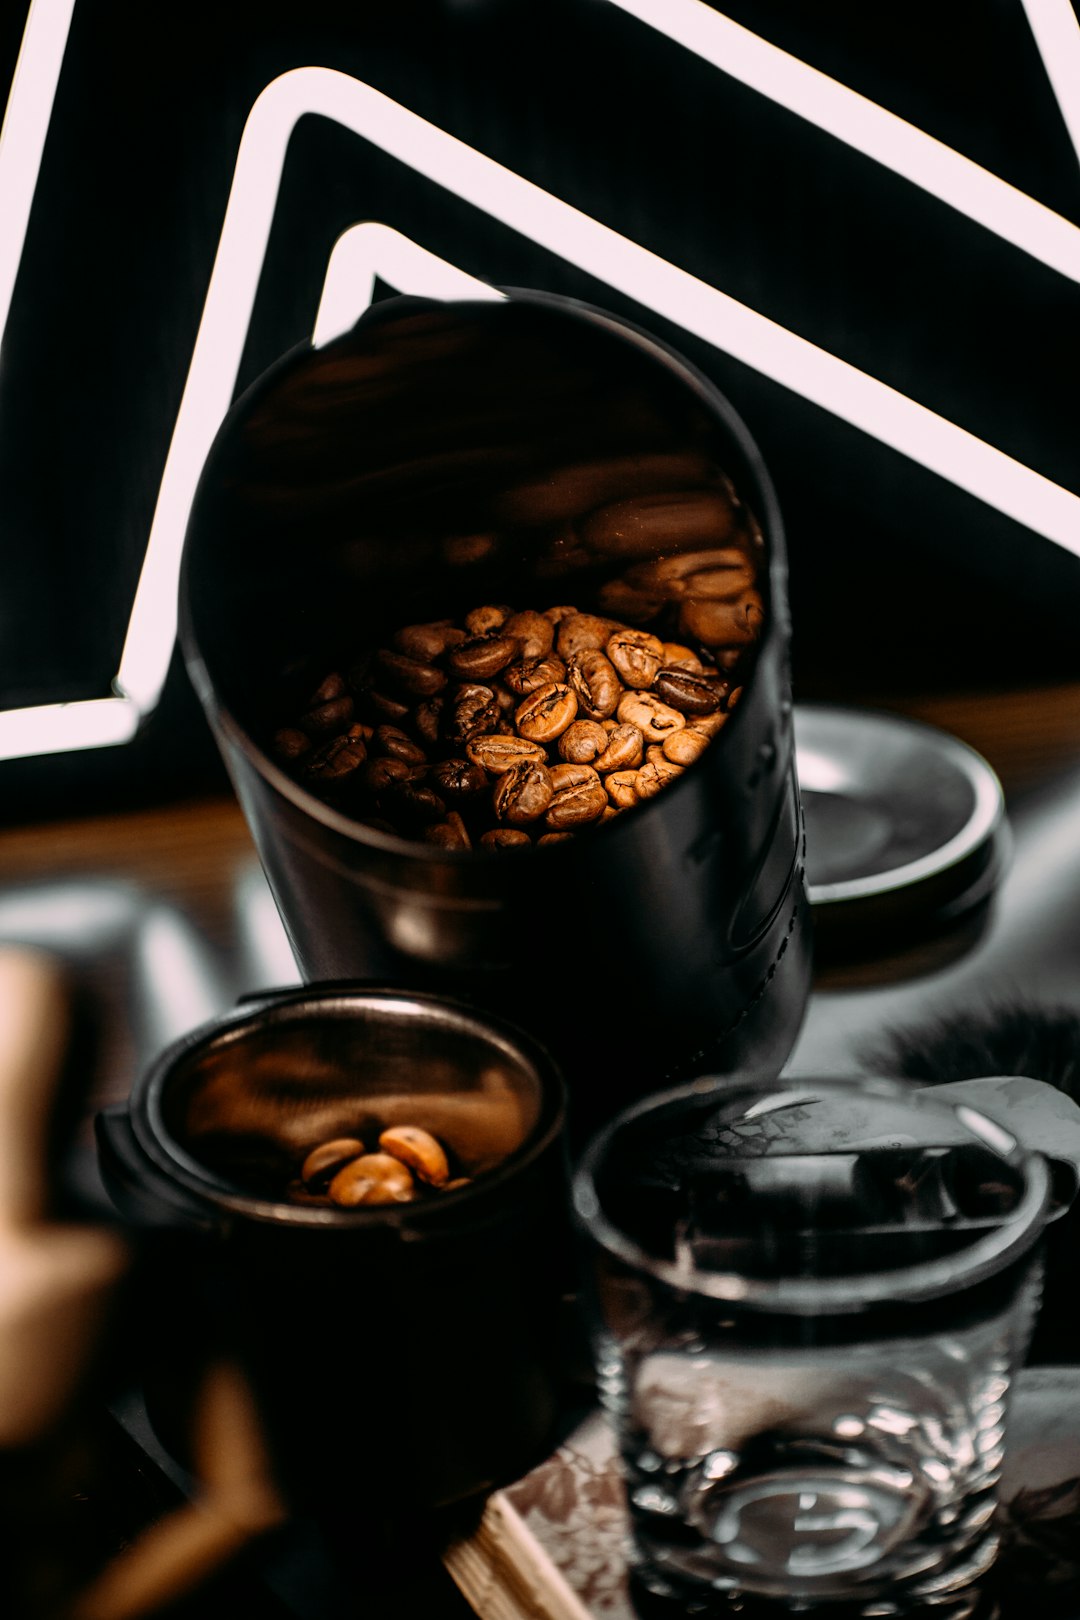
(926, 1280)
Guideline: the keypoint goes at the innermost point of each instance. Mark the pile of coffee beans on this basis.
(407, 1163)
(512, 727)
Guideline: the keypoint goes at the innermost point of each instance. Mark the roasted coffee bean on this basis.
(449, 834)
(591, 677)
(523, 793)
(380, 707)
(336, 760)
(555, 838)
(624, 750)
(723, 624)
(579, 797)
(620, 788)
(464, 550)
(482, 621)
(685, 746)
(407, 675)
(580, 632)
(418, 1149)
(690, 694)
(458, 780)
(520, 689)
(428, 719)
(470, 711)
(380, 773)
(414, 802)
(323, 1162)
(506, 838)
(532, 673)
(409, 1163)
(647, 524)
(496, 753)
(653, 718)
(534, 634)
(330, 709)
(374, 1178)
(654, 775)
(289, 744)
(332, 686)
(637, 656)
(568, 491)
(546, 713)
(719, 584)
(707, 725)
(571, 774)
(297, 1193)
(397, 744)
(727, 570)
(582, 742)
(622, 601)
(426, 643)
(481, 657)
(676, 656)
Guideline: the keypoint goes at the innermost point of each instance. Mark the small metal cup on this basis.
(403, 1357)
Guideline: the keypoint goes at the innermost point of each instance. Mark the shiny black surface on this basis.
(671, 940)
(403, 1358)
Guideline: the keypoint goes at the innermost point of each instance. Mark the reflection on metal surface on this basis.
(889, 802)
(177, 981)
(266, 957)
(821, 772)
(79, 916)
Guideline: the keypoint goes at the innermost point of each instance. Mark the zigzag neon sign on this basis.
(370, 248)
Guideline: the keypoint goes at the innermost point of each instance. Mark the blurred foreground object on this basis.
(59, 1286)
(56, 1281)
(54, 1278)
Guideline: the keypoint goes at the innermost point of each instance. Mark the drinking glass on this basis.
(807, 1307)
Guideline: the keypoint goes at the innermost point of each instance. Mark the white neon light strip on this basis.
(1056, 28)
(683, 299)
(877, 133)
(25, 126)
(365, 251)
(57, 728)
(611, 259)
